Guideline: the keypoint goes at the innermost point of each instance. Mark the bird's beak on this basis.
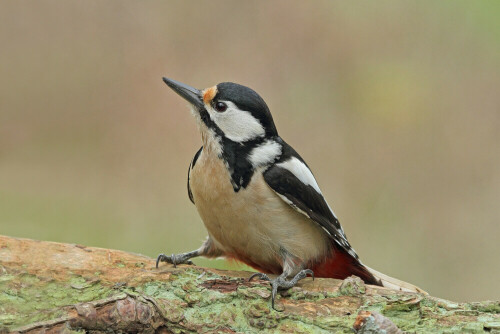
(191, 94)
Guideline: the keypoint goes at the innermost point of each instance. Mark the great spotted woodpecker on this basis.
(257, 197)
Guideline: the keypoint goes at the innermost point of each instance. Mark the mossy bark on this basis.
(55, 287)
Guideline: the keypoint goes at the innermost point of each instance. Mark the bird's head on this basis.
(230, 111)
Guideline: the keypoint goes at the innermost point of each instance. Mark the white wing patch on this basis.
(265, 153)
(300, 170)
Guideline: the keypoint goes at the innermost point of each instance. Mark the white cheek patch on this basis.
(237, 125)
(265, 153)
(297, 168)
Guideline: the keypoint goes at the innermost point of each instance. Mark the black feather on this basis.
(235, 155)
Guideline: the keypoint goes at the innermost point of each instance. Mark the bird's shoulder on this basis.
(290, 168)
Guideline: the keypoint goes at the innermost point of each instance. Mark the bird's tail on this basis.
(393, 283)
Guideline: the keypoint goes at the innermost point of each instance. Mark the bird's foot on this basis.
(261, 276)
(281, 283)
(175, 259)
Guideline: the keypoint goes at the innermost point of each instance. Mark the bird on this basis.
(258, 199)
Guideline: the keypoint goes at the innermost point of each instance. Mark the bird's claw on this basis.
(261, 276)
(174, 259)
(303, 274)
(280, 283)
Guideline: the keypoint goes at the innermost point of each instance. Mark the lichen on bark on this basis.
(73, 288)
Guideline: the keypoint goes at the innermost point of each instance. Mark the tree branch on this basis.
(47, 286)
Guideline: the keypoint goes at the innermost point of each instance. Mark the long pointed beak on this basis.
(191, 94)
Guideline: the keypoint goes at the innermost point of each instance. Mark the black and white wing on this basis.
(191, 165)
(293, 181)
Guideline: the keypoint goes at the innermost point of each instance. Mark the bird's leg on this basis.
(207, 249)
(176, 259)
(281, 282)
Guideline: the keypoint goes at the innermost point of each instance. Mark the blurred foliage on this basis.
(394, 104)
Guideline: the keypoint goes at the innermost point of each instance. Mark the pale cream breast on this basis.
(254, 222)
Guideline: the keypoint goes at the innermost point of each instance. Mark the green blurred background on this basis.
(394, 104)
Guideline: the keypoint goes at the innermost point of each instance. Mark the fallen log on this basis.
(54, 287)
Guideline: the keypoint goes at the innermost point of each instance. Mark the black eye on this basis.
(220, 106)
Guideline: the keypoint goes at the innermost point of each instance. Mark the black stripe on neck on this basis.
(236, 156)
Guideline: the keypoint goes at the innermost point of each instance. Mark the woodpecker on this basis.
(258, 199)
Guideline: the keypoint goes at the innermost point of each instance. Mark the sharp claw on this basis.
(260, 275)
(252, 276)
(310, 272)
(281, 283)
(174, 259)
(159, 259)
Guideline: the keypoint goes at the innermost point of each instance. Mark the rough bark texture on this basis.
(52, 287)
